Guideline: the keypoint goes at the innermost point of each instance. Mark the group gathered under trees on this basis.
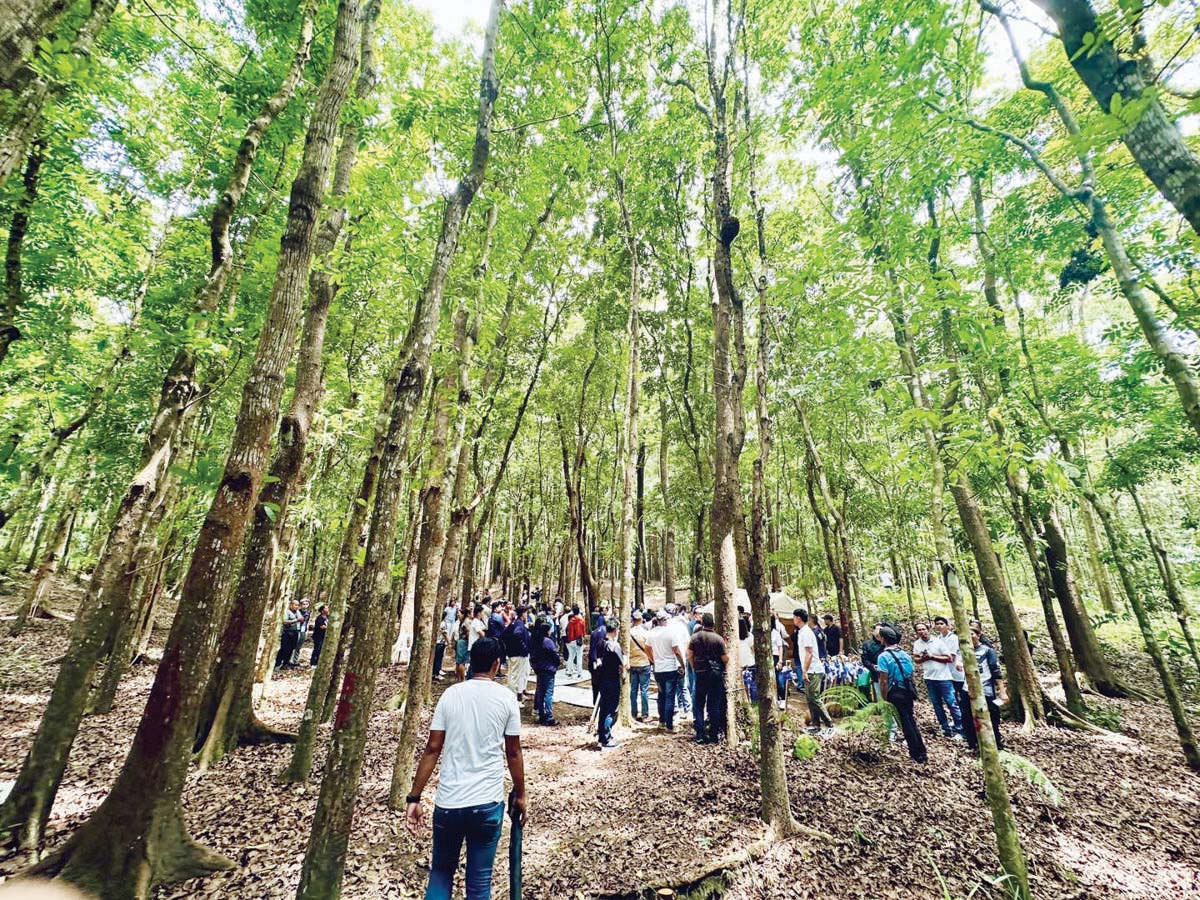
(309, 299)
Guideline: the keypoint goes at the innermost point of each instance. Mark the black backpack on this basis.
(904, 689)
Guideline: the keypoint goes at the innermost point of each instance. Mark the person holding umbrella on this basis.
(477, 724)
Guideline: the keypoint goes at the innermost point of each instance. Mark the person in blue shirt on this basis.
(897, 687)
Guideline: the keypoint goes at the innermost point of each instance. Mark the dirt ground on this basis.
(662, 811)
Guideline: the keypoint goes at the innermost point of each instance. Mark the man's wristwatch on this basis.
(412, 798)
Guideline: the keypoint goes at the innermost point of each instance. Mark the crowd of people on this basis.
(676, 649)
(475, 731)
(943, 670)
(300, 625)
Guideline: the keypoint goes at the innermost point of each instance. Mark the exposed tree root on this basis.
(706, 880)
(255, 733)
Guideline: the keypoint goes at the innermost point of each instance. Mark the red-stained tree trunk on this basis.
(228, 718)
(325, 858)
(137, 838)
(27, 806)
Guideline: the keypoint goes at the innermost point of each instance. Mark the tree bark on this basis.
(664, 486)
(1153, 138)
(1116, 540)
(14, 289)
(228, 718)
(23, 25)
(1167, 574)
(324, 860)
(1085, 646)
(30, 92)
(28, 805)
(137, 838)
(426, 607)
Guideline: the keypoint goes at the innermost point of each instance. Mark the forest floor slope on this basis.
(662, 811)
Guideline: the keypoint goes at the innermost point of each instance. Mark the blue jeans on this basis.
(683, 692)
(691, 682)
(639, 686)
(941, 694)
(543, 696)
(479, 826)
(668, 685)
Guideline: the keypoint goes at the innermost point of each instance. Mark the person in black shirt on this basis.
(708, 656)
(320, 626)
(607, 675)
(833, 637)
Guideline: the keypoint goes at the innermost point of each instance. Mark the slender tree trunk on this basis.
(1099, 572)
(664, 486)
(1116, 540)
(28, 804)
(137, 837)
(1167, 573)
(426, 608)
(775, 803)
(324, 860)
(30, 91)
(1022, 517)
(40, 584)
(1085, 646)
(14, 289)
(228, 717)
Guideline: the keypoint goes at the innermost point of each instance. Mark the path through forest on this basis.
(613, 823)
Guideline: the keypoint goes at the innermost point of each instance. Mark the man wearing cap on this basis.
(639, 667)
(708, 657)
(666, 657)
(607, 674)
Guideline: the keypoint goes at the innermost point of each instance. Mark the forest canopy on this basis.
(886, 310)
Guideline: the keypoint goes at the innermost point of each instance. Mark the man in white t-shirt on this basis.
(477, 723)
(666, 656)
(937, 664)
(812, 669)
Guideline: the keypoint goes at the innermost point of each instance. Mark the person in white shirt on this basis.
(476, 731)
(476, 628)
(812, 669)
(937, 662)
(666, 656)
(958, 675)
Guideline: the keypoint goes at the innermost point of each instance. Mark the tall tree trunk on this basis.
(39, 585)
(1099, 571)
(664, 486)
(28, 804)
(30, 92)
(1085, 646)
(775, 803)
(14, 289)
(1166, 573)
(426, 606)
(324, 860)
(1022, 518)
(1153, 138)
(1116, 540)
(137, 837)
(228, 717)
